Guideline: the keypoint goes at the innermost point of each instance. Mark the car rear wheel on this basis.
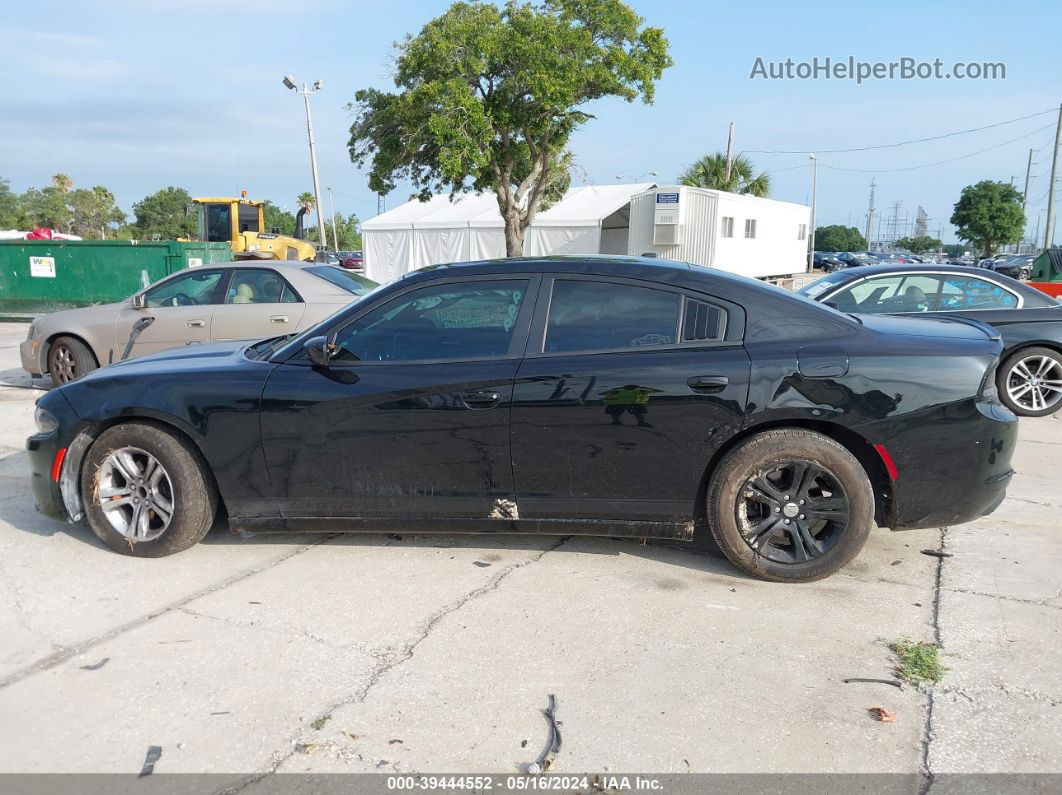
(1030, 382)
(147, 492)
(790, 505)
(69, 358)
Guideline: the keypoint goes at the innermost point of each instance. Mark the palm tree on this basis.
(62, 182)
(306, 201)
(710, 172)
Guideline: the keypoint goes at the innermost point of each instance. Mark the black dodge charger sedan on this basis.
(1030, 322)
(613, 396)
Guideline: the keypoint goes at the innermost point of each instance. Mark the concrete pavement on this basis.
(437, 653)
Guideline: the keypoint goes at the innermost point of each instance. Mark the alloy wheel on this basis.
(135, 493)
(1035, 382)
(793, 512)
(63, 367)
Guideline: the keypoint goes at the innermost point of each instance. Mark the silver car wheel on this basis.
(1035, 383)
(135, 493)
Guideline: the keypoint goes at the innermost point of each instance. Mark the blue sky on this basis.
(136, 96)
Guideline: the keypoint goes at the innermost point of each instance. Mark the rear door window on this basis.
(597, 316)
(963, 292)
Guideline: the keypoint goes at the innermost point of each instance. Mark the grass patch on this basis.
(917, 662)
(320, 722)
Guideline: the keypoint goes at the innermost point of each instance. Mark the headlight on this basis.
(46, 421)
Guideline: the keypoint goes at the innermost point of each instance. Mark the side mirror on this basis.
(139, 301)
(317, 349)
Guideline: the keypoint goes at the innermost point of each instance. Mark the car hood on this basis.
(80, 317)
(930, 326)
(193, 356)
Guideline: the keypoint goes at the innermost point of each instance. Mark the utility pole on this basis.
(379, 203)
(289, 81)
(814, 197)
(1049, 233)
(332, 210)
(729, 152)
(870, 214)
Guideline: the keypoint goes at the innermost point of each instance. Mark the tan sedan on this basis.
(223, 301)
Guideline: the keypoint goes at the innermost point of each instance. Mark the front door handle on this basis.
(196, 323)
(278, 319)
(480, 399)
(707, 384)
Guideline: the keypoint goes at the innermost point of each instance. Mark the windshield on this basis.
(350, 282)
(819, 286)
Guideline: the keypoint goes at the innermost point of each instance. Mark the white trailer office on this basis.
(729, 231)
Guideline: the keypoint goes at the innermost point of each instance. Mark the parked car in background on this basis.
(827, 261)
(1030, 322)
(1017, 266)
(352, 260)
(853, 259)
(615, 396)
(223, 301)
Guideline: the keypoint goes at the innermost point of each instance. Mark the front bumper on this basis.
(32, 352)
(42, 450)
(954, 467)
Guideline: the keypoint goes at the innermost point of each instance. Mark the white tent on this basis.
(589, 220)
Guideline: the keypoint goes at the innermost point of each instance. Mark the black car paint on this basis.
(381, 446)
(1038, 322)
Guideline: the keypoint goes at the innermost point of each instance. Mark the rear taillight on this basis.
(989, 392)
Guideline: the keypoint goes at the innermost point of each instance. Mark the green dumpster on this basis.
(47, 275)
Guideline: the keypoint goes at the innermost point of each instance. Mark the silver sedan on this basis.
(223, 301)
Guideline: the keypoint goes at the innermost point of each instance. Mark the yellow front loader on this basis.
(240, 222)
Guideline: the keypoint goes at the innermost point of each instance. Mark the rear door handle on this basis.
(196, 323)
(707, 384)
(481, 399)
(278, 319)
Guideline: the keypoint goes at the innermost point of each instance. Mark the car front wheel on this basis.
(790, 505)
(1030, 382)
(69, 358)
(146, 491)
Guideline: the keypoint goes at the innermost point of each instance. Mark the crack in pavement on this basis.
(68, 652)
(285, 631)
(969, 692)
(1038, 602)
(927, 727)
(403, 655)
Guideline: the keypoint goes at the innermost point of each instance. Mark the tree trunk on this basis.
(514, 233)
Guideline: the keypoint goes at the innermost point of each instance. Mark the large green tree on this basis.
(988, 215)
(11, 213)
(918, 245)
(165, 213)
(711, 172)
(93, 212)
(46, 207)
(489, 97)
(838, 237)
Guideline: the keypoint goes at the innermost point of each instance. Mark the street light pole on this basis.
(332, 210)
(814, 198)
(289, 81)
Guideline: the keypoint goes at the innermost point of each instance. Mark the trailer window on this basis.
(750, 227)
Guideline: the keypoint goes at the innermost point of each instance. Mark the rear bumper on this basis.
(32, 353)
(953, 468)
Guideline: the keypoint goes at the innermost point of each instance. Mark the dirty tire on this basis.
(68, 359)
(194, 495)
(780, 448)
(1009, 374)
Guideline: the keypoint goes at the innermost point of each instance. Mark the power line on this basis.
(892, 146)
(939, 162)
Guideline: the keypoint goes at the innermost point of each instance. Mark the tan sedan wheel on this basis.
(69, 358)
